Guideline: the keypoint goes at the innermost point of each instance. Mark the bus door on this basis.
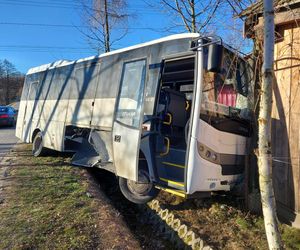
(174, 110)
(127, 120)
(194, 122)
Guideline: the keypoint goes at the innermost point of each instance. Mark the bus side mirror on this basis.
(215, 58)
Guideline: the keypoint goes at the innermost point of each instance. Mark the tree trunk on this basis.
(193, 16)
(264, 133)
(107, 36)
(6, 85)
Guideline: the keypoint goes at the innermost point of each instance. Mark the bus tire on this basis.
(37, 145)
(138, 193)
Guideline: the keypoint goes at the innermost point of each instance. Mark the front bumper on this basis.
(6, 121)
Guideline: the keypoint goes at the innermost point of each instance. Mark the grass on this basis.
(49, 204)
(47, 207)
(224, 225)
(291, 237)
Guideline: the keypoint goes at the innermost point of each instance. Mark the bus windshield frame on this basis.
(226, 92)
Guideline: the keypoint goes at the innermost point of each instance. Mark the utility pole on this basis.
(7, 88)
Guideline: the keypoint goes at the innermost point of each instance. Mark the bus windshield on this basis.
(226, 91)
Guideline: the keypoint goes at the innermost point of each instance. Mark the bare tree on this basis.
(195, 15)
(264, 155)
(106, 22)
(10, 81)
(8, 71)
(208, 16)
(239, 5)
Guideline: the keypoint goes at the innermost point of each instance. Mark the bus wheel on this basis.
(138, 192)
(37, 145)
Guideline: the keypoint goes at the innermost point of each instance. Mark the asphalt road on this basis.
(7, 140)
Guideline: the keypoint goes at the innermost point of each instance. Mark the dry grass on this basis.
(50, 205)
(223, 224)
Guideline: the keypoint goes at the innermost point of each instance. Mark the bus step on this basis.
(173, 183)
(180, 193)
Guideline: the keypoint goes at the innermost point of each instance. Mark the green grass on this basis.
(291, 237)
(220, 221)
(46, 206)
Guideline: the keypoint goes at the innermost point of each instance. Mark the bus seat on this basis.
(176, 107)
(227, 95)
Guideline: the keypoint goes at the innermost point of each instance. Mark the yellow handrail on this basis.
(170, 119)
(168, 147)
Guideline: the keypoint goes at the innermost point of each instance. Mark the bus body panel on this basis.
(103, 113)
(216, 158)
(106, 92)
(80, 102)
(220, 141)
(22, 110)
(126, 151)
(83, 85)
(66, 96)
(20, 121)
(207, 176)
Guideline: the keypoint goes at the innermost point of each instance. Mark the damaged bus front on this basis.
(196, 141)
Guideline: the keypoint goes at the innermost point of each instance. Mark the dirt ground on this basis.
(222, 222)
(46, 203)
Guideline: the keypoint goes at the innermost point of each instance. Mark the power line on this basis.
(45, 49)
(66, 4)
(74, 26)
(49, 51)
(63, 5)
(44, 25)
(41, 47)
(39, 4)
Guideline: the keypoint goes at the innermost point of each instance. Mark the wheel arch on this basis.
(34, 133)
(146, 156)
(143, 162)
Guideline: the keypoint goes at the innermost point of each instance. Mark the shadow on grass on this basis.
(131, 212)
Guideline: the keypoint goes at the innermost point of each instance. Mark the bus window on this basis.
(227, 88)
(131, 93)
(33, 90)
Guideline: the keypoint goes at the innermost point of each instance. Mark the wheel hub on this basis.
(141, 187)
(37, 144)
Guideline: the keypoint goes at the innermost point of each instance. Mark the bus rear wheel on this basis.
(138, 192)
(37, 145)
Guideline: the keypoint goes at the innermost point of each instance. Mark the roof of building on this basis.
(257, 8)
(62, 63)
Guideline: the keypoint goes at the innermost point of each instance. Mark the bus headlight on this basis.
(214, 157)
(201, 148)
(208, 154)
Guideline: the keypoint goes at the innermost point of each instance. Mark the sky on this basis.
(36, 32)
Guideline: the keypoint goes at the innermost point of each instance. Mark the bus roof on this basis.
(62, 63)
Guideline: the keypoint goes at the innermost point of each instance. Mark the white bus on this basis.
(167, 114)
